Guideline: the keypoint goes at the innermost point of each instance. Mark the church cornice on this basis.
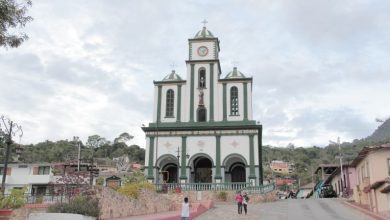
(236, 80)
(206, 61)
(196, 126)
(169, 82)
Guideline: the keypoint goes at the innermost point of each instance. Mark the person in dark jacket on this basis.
(245, 201)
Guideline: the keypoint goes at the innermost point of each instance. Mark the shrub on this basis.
(79, 205)
(132, 189)
(100, 181)
(222, 195)
(13, 201)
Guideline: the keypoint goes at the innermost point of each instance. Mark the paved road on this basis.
(292, 209)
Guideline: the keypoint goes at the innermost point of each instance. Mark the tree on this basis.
(13, 15)
(123, 138)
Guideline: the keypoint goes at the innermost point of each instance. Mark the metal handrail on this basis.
(202, 186)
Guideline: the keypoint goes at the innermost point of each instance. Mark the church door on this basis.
(238, 174)
(170, 173)
(203, 172)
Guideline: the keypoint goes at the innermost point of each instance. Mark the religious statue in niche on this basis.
(201, 96)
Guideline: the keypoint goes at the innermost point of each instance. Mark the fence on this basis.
(167, 187)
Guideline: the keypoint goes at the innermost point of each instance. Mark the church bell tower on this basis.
(203, 70)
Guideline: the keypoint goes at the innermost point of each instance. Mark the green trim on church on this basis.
(192, 93)
(178, 116)
(159, 104)
(200, 125)
(151, 155)
(183, 173)
(245, 84)
(218, 158)
(252, 174)
(224, 103)
(211, 92)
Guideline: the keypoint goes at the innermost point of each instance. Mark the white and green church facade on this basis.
(202, 129)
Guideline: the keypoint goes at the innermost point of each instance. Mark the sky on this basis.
(321, 69)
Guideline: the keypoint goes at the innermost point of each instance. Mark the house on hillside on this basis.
(282, 167)
(373, 178)
(41, 177)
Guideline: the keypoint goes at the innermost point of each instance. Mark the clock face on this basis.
(203, 51)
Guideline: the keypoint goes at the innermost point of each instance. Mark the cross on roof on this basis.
(173, 65)
(204, 22)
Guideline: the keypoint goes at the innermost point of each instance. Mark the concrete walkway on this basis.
(292, 209)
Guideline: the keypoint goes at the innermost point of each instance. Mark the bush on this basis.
(13, 201)
(100, 181)
(222, 196)
(132, 189)
(79, 205)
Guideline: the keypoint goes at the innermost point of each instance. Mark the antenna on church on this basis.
(204, 22)
(173, 65)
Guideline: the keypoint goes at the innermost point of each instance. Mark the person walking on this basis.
(245, 201)
(239, 199)
(185, 210)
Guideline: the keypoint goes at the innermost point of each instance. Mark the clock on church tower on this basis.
(204, 46)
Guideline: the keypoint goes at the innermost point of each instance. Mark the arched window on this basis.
(202, 78)
(234, 101)
(170, 103)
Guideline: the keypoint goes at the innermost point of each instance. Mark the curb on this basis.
(365, 211)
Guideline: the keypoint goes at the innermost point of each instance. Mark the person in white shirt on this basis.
(185, 210)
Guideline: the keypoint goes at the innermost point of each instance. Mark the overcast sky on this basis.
(321, 69)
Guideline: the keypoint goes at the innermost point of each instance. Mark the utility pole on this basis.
(10, 129)
(76, 140)
(341, 165)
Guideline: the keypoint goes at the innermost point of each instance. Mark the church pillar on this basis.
(211, 92)
(178, 114)
(217, 175)
(192, 93)
(159, 104)
(252, 174)
(245, 101)
(151, 156)
(224, 103)
(183, 170)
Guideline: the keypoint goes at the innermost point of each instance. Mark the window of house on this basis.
(202, 78)
(1, 170)
(368, 169)
(44, 170)
(170, 103)
(234, 101)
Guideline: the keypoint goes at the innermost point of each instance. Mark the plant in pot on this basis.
(12, 201)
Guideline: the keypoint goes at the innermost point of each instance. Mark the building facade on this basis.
(203, 129)
(373, 178)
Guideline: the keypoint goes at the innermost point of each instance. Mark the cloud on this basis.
(320, 69)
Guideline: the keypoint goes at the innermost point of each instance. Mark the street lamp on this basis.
(341, 164)
(178, 162)
(10, 130)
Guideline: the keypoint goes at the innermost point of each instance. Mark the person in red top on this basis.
(239, 199)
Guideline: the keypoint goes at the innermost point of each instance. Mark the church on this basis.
(203, 129)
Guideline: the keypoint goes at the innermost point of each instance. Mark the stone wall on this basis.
(115, 205)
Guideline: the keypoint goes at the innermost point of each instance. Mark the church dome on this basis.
(235, 74)
(204, 33)
(172, 77)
